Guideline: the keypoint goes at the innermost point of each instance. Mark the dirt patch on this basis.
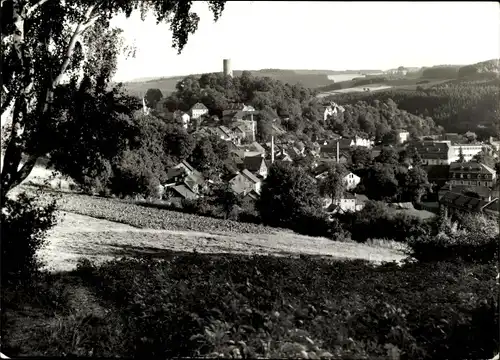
(83, 236)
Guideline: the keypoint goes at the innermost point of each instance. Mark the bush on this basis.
(469, 247)
(348, 309)
(25, 222)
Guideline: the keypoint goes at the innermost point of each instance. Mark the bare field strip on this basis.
(83, 236)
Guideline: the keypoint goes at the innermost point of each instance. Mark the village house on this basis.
(435, 153)
(331, 109)
(198, 110)
(347, 203)
(237, 107)
(256, 165)
(184, 175)
(182, 117)
(455, 203)
(244, 129)
(484, 193)
(245, 182)
(351, 180)
(403, 136)
(472, 173)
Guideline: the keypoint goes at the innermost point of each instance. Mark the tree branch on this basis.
(80, 28)
(34, 8)
(24, 172)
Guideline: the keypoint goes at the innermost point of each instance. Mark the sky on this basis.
(316, 35)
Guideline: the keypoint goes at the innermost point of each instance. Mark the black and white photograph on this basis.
(250, 179)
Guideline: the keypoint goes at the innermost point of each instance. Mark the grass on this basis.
(206, 305)
(100, 240)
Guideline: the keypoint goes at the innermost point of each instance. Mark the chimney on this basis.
(272, 149)
(253, 128)
(338, 155)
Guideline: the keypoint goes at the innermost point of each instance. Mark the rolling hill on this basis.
(309, 78)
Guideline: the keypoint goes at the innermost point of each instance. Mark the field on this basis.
(409, 84)
(101, 229)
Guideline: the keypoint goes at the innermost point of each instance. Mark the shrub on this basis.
(25, 222)
(348, 309)
(469, 247)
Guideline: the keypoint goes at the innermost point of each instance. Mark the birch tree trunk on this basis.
(13, 173)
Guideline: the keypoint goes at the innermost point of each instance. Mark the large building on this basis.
(468, 150)
(435, 153)
(472, 173)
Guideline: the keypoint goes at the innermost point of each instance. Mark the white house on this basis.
(183, 117)
(351, 180)
(403, 136)
(198, 110)
(331, 110)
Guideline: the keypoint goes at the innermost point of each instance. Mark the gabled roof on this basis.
(174, 172)
(199, 106)
(462, 201)
(250, 176)
(482, 191)
(226, 130)
(361, 199)
(348, 196)
(184, 191)
(187, 165)
(253, 163)
(471, 166)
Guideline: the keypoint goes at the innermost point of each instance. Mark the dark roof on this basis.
(183, 191)
(436, 172)
(174, 172)
(432, 150)
(462, 201)
(471, 166)
(188, 165)
(349, 196)
(482, 191)
(253, 163)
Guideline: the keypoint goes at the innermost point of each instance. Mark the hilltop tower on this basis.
(227, 67)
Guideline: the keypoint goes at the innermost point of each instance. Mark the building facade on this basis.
(472, 174)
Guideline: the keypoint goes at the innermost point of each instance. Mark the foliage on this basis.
(457, 106)
(46, 41)
(25, 222)
(333, 184)
(376, 221)
(286, 194)
(153, 218)
(95, 127)
(225, 197)
(152, 97)
(474, 238)
(208, 155)
(348, 309)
